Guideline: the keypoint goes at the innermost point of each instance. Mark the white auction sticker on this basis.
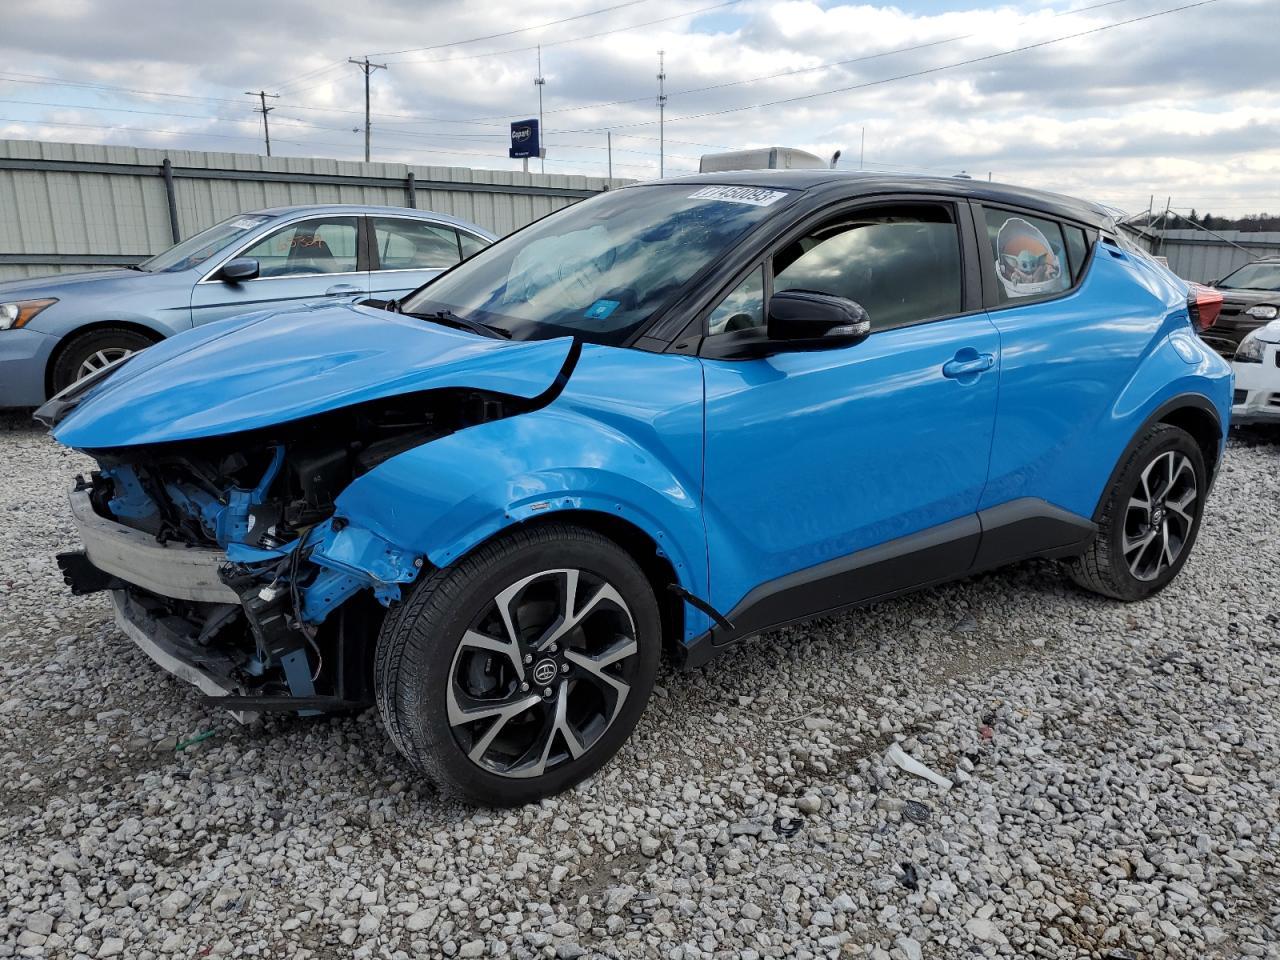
(248, 223)
(755, 196)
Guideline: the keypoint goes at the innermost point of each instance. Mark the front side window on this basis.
(414, 245)
(901, 263)
(742, 309)
(1253, 276)
(1030, 255)
(196, 250)
(312, 246)
(602, 268)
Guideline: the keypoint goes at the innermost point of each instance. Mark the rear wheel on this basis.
(92, 350)
(1150, 519)
(522, 669)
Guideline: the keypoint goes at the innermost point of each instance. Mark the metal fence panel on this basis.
(1197, 255)
(67, 207)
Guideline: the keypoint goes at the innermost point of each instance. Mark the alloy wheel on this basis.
(1160, 515)
(542, 672)
(101, 358)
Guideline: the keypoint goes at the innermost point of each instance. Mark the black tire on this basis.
(424, 670)
(1142, 571)
(107, 342)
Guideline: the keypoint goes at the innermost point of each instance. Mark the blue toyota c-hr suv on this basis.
(678, 414)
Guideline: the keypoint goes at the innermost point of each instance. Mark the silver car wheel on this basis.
(1160, 515)
(541, 673)
(101, 358)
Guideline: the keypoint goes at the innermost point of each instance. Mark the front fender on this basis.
(445, 497)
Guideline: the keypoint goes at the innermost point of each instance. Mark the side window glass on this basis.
(1030, 255)
(309, 247)
(414, 245)
(742, 308)
(1077, 250)
(471, 244)
(901, 263)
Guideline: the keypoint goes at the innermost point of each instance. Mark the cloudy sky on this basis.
(1116, 100)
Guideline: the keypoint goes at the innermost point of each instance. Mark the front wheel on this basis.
(89, 352)
(1150, 518)
(522, 669)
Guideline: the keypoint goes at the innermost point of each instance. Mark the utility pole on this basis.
(608, 139)
(662, 111)
(862, 150)
(366, 68)
(264, 110)
(540, 82)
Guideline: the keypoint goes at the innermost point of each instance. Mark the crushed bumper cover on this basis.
(171, 570)
(175, 654)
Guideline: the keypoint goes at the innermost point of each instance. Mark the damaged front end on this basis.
(229, 565)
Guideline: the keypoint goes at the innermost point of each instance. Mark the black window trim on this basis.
(697, 340)
(991, 285)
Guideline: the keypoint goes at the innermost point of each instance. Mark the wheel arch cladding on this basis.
(1205, 428)
(1193, 412)
(445, 498)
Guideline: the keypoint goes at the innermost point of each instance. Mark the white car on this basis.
(1257, 367)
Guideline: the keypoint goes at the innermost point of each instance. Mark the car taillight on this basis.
(1203, 304)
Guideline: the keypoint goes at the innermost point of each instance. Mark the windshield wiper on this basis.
(475, 326)
(134, 266)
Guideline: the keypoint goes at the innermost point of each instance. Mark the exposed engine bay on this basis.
(285, 611)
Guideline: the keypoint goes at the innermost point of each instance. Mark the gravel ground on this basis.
(1116, 787)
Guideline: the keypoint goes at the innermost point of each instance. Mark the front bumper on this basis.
(211, 674)
(1257, 389)
(24, 357)
(171, 570)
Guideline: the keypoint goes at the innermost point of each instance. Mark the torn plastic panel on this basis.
(263, 501)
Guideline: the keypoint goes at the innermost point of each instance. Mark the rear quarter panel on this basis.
(1082, 374)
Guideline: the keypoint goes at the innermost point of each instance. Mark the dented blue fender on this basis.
(285, 365)
(624, 438)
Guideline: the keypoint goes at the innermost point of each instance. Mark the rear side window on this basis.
(1030, 255)
(901, 263)
(1077, 250)
(414, 244)
(470, 244)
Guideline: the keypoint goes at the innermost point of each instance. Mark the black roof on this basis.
(851, 183)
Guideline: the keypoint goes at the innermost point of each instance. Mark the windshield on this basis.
(196, 250)
(601, 268)
(1254, 276)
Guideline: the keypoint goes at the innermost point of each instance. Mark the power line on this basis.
(589, 36)
(493, 120)
(820, 66)
(905, 76)
(509, 33)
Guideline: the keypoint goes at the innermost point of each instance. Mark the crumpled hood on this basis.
(273, 367)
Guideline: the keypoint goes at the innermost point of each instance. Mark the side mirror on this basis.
(241, 268)
(805, 320)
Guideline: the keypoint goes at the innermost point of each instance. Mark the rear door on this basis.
(814, 456)
(405, 253)
(307, 259)
(1070, 320)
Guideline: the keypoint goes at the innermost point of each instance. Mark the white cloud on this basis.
(1168, 106)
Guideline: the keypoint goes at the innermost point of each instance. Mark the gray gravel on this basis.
(1116, 784)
